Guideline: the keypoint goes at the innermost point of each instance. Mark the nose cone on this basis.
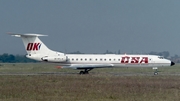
(172, 63)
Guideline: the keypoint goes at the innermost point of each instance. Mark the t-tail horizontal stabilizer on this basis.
(26, 35)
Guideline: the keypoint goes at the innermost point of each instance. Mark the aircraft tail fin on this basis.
(33, 45)
(37, 50)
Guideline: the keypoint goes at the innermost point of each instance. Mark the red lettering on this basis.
(144, 60)
(35, 47)
(135, 59)
(29, 46)
(125, 59)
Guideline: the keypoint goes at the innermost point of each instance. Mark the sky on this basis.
(93, 26)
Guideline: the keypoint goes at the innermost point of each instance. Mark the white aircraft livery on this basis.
(37, 50)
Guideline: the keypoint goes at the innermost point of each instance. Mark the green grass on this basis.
(99, 85)
(89, 88)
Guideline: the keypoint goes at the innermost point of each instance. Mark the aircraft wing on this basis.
(88, 66)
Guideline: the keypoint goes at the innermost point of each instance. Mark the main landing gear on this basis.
(86, 71)
(156, 70)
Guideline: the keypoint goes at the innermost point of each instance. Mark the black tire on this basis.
(86, 72)
(81, 72)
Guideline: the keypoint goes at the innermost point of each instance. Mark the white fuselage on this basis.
(115, 60)
(119, 60)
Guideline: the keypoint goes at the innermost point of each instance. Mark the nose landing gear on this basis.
(156, 70)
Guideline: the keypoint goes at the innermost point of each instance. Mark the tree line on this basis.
(10, 58)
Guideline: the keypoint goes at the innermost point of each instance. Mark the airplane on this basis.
(37, 50)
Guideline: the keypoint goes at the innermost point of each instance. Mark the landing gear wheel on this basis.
(81, 72)
(156, 70)
(155, 73)
(86, 71)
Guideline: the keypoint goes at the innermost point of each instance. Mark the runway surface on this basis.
(93, 73)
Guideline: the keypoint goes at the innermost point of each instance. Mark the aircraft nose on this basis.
(172, 63)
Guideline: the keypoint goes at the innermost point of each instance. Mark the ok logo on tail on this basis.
(33, 46)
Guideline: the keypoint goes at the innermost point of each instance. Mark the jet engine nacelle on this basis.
(55, 58)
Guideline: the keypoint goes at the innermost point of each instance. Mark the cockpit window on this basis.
(161, 57)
